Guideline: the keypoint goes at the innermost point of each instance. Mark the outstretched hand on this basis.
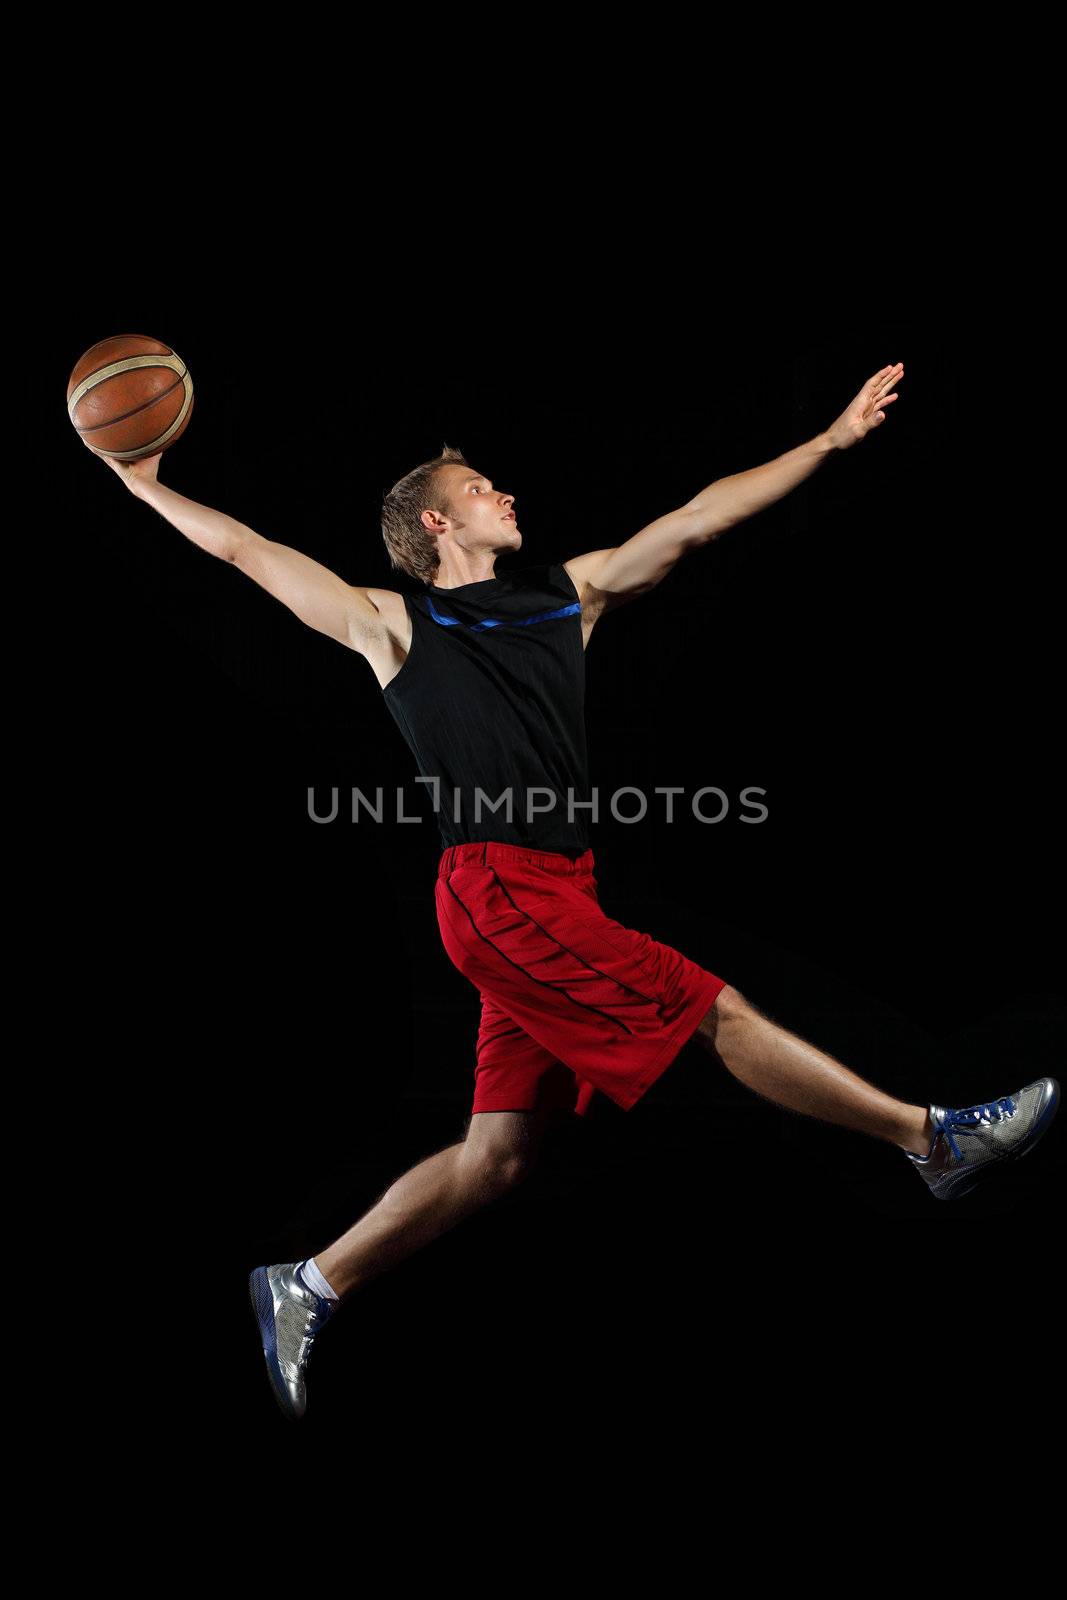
(867, 411)
(132, 473)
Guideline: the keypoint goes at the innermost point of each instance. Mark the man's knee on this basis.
(501, 1147)
(729, 1005)
(500, 1169)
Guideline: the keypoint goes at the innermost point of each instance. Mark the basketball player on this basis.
(484, 676)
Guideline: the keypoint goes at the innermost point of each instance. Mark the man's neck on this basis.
(456, 577)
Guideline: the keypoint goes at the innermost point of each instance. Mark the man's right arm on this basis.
(311, 591)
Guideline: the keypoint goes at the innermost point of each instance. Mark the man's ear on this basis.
(431, 521)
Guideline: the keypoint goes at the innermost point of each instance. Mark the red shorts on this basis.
(571, 1001)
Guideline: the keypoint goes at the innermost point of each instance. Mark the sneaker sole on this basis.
(259, 1292)
(1036, 1134)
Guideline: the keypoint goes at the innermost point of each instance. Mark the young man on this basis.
(485, 679)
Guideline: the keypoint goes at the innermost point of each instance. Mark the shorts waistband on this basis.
(462, 855)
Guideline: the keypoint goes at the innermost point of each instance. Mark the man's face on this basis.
(481, 516)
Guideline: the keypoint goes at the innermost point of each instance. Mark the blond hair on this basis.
(411, 546)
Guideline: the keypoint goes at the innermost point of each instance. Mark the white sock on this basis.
(315, 1280)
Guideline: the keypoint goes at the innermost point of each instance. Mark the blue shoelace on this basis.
(971, 1118)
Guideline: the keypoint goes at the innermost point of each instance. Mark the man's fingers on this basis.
(888, 375)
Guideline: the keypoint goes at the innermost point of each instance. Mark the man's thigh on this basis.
(513, 1072)
(581, 992)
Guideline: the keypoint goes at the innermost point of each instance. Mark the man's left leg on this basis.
(952, 1152)
(781, 1067)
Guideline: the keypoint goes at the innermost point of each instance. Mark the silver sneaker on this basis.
(289, 1315)
(968, 1142)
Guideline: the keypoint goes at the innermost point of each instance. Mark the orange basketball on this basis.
(130, 397)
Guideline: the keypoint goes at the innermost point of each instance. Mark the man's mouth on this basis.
(509, 518)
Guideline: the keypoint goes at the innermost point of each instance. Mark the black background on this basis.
(277, 1030)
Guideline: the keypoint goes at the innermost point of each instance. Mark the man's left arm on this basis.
(607, 578)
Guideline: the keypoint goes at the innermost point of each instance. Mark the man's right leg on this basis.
(500, 1149)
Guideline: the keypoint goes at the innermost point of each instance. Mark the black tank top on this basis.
(491, 698)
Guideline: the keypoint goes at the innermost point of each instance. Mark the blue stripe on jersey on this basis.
(503, 622)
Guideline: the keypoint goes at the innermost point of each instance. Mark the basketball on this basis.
(130, 397)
